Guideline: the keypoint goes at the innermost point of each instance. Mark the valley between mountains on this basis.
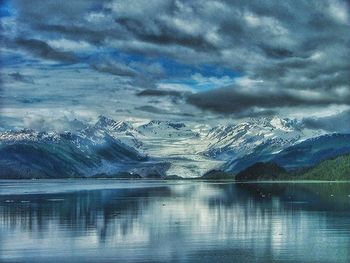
(257, 149)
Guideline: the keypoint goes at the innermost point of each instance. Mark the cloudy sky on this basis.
(191, 61)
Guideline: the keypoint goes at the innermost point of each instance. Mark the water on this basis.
(190, 221)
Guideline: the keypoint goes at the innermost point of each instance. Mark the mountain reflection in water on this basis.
(190, 221)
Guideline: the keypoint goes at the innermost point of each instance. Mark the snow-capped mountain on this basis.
(172, 142)
(28, 154)
(166, 129)
(110, 146)
(111, 125)
(122, 130)
(234, 141)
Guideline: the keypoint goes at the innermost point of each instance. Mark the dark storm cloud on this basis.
(114, 68)
(37, 11)
(335, 123)
(157, 110)
(255, 113)
(160, 93)
(238, 100)
(277, 52)
(152, 109)
(21, 78)
(163, 34)
(43, 50)
(78, 33)
(286, 49)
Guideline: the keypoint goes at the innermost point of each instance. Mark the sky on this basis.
(191, 61)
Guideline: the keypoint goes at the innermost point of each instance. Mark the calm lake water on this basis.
(188, 221)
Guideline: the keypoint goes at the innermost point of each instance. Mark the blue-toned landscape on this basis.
(174, 131)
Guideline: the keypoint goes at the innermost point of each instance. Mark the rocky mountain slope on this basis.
(31, 154)
(235, 141)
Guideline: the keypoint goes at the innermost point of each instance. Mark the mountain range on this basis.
(89, 152)
(164, 148)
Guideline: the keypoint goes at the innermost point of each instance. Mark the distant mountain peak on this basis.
(275, 122)
(122, 130)
(166, 128)
(175, 125)
(104, 122)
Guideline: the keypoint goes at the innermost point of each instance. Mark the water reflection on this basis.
(178, 222)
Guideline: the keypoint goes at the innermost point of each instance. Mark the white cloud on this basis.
(339, 11)
(70, 45)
